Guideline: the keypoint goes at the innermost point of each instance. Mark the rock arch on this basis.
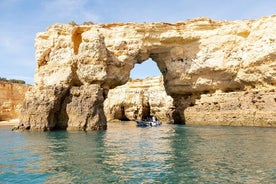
(78, 64)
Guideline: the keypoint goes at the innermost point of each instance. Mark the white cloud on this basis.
(261, 8)
(10, 44)
(64, 10)
(15, 41)
(88, 16)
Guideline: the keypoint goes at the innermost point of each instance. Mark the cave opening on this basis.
(123, 115)
(144, 71)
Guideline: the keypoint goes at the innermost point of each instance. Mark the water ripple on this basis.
(128, 154)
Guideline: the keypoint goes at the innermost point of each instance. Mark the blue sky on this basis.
(20, 20)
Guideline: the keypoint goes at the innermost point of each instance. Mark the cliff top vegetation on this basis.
(12, 80)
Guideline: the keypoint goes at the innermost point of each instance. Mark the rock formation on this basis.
(240, 108)
(199, 56)
(11, 99)
(139, 99)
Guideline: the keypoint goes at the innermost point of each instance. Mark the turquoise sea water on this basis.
(127, 154)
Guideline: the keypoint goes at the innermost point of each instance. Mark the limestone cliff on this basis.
(142, 98)
(198, 56)
(240, 108)
(11, 99)
(138, 99)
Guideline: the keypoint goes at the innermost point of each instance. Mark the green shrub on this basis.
(73, 23)
(88, 23)
(3, 79)
(17, 81)
(12, 80)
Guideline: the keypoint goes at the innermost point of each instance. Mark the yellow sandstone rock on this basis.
(138, 99)
(11, 98)
(195, 57)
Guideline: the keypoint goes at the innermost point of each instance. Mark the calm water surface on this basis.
(128, 154)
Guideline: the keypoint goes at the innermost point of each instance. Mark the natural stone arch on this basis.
(77, 65)
(140, 98)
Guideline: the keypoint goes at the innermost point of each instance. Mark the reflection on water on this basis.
(128, 154)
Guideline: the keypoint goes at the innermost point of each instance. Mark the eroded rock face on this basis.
(11, 99)
(138, 99)
(196, 56)
(59, 107)
(41, 108)
(242, 108)
(83, 109)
